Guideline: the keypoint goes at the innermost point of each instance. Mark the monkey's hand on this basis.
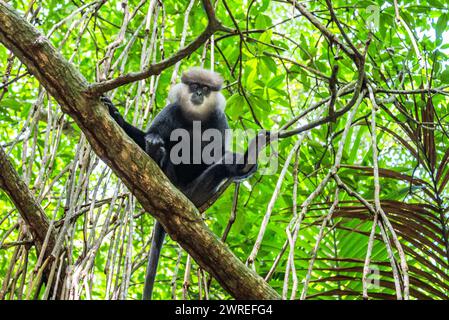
(113, 111)
(154, 147)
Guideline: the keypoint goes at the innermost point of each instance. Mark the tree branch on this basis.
(213, 26)
(325, 31)
(30, 210)
(137, 170)
(24, 201)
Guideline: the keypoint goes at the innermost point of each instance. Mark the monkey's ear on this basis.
(221, 101)
(174, 93)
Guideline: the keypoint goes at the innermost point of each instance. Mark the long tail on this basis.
(153, 259)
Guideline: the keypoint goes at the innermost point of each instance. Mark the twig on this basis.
(213, 26)
(317, 245)
(272, 202)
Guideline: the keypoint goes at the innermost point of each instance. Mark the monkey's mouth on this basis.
(197, 99)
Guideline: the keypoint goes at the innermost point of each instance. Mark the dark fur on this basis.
(199, 182)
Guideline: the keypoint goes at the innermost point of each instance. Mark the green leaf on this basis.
(262, 21)
(444, 77)
(276, 81)
(269, 63)
(441, 25)
(235, 106)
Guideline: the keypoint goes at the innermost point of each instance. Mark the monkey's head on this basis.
(198, 93)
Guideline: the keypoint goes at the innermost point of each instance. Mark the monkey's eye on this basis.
(193, 87)
(206, 90)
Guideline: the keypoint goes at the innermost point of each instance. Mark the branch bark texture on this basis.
(31, 212)
(29, 209)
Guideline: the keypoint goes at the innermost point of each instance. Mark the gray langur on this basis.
(195, 104)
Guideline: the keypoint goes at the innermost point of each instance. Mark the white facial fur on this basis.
(180, 94)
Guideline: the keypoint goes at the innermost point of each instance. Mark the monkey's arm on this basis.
(134, 133)
(158, 136)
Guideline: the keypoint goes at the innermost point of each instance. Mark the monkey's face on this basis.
(198, 92)
(197, 100)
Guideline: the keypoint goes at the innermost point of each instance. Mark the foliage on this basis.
(276, 64)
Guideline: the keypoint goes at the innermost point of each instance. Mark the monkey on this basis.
(196, 105)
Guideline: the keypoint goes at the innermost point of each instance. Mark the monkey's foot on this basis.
(245, 173)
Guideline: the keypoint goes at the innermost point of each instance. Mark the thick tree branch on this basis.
(29, 209)
(140, 174)
(25, 203)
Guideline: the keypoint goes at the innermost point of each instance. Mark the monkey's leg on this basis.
(238, 166)
(240, 172)
(232, 165)
(205, 186)
(153, 260)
